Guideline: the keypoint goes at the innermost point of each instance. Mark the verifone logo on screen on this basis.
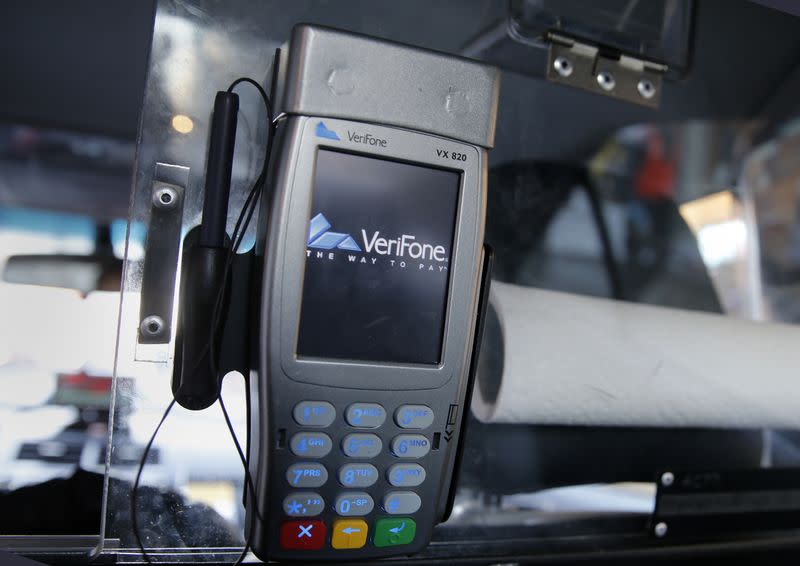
(400, 251)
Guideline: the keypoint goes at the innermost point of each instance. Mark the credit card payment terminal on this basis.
(373, 260)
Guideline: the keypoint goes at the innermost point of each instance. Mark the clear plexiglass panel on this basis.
(682, 217)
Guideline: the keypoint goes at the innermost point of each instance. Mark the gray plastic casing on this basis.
(286, 379)
(336, 74)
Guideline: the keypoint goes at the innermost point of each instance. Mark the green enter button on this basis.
(390, 532)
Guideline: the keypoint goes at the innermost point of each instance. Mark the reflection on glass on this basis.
(547, 221)
(182, 123)
(718, 223)
(57, 340)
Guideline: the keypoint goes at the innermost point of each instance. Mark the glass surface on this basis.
(56, 365)
(377, 260)
(771, 194)
(528, 487)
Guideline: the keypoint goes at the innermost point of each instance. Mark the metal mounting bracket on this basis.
(159, 274)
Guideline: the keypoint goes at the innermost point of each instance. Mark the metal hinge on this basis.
(585, 66)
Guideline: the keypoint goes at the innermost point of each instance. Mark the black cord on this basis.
(236, 239)
(248, 209)
(239, 230)
(242, 223)
(248, 477)
(135, 523)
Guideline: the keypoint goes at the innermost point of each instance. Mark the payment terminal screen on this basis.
(378, 253)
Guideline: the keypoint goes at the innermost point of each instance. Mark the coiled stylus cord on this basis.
(242, 223)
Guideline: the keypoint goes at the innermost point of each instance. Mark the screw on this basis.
(152, 326)
(667, 479)
(646, 88)
(606, 81)
(165, 197)
(563, 66)
(661, 530)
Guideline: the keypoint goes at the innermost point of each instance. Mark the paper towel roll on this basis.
(556, 358)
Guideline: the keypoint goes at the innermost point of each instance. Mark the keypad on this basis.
(362, 445)
(365, 415)
(307, 474)
(353, 504)
(406, 475)
(418, 417)
(410, 446)
(304, 506)
(314, 413)
(358, 475)
(311, 444)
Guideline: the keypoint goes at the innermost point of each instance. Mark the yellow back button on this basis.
(349, 533)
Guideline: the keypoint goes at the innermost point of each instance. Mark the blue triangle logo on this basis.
(317, 227)
(321, 237)
(349, 244)
(324, 132)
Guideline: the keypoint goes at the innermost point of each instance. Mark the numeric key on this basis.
(358, 475)
(310, 444)
(307, 474)
(314, 413)
(355, 504)
(414, 416)
(406, 475)
(365, 415)
(361, 445)
(410, 446)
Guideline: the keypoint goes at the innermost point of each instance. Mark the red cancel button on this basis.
(303, 535)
